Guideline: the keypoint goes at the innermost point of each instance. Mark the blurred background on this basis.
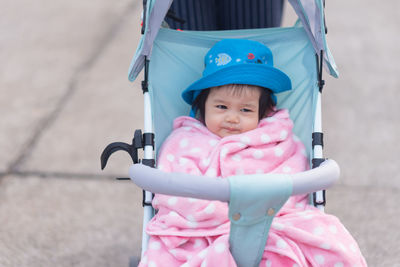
(65, 95)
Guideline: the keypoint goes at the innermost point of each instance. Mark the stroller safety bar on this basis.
(186, 185)
(254, 200)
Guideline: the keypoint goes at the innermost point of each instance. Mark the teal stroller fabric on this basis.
(177, 60)
(251, 214)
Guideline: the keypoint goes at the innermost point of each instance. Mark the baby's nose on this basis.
(232, 117)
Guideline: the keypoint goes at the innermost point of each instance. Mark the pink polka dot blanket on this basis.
(194, 232)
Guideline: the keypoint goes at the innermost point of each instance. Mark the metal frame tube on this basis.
(148, 211)
(317, 149)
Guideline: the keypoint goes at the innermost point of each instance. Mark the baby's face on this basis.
(229, 111)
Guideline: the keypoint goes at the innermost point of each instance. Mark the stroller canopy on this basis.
(310, 13)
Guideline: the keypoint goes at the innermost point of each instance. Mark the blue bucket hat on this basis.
(239, 61)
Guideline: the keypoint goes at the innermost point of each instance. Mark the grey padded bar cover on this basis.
(186, 185)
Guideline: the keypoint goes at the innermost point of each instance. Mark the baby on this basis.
(236, 129)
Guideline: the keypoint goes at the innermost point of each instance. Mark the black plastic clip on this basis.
(145, 82)
(320, 61)
(319, 203)
(148, 139)
(144, 203)
(317, 139)
(315, 163)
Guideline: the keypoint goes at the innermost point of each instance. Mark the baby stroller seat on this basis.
(174, 59)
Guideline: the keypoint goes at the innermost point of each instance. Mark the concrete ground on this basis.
(65, 95)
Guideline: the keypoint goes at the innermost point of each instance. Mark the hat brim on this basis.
(252, 74)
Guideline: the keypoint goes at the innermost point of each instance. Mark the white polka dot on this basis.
(220, 247)
(283, 134)
(278, 226)
(211, 172)
(152, 264)
(318, 230)
(195, 150)
(183, 161)
(241, 145)
(353, 248)
(192, 200)
(258, 154)
(326, 246)
(197, 243)
(333, 229)
(155, 245)
(205, 162)
(173, 214)
(198, 125)
(184, 143)
(215, 223)
(237, 158)
(155, 201)
(191, 221)
(202, 254)
(245, 139)
(187, 128)
(172, 201)
(170, 157)
(319, 259)
(224, 151)
(204, 264)
(210, 208)
(299, 205)
(342, 247)
(270, 119)
(307, 215)
(268, 263)
(278, 151)
(173, 252)
(287, 169)
(238, 60)
(281, 243)
(213, 142)
(265, 138)
(338, 264)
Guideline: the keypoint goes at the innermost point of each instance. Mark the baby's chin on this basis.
(226, 133)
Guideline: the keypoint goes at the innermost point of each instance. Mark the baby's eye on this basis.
(246, 110)
(221, 106)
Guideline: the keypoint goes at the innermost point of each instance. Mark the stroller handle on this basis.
(196, 186)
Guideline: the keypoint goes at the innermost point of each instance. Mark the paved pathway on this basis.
(65, 95)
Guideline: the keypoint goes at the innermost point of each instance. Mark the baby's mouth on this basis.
(231, 129)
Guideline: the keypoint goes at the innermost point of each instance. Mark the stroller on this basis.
(301, 52)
